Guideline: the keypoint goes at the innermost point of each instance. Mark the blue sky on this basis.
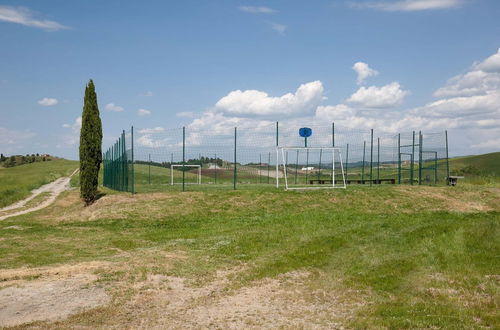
(422, 64)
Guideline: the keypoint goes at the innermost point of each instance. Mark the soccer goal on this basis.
(310, 168)
(189, 177)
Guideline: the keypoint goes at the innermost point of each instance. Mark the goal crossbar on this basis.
(285, 166)
(198, 181)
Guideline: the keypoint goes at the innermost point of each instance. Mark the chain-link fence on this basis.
(157, 159)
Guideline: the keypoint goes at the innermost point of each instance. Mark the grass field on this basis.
(387, 256)
(18, 181)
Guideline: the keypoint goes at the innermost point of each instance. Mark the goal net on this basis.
(310, 168)
(189, 174)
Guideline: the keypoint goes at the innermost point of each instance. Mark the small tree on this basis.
(90, 146)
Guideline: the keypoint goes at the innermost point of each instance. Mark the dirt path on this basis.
(54, 189)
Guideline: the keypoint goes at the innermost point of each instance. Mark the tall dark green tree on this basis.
(90, 146)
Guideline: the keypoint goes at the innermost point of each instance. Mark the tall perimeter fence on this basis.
(157, 159)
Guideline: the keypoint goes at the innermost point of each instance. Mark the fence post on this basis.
(346, 161)
(420, 163)
(363, 168)
(124, 164)
(132, 145)
(149, 169)
(215, 171)
(260, 167)
(412, 158)
(296, 166)
(378, 159)
(268, 167)
(333, 135)
(399, 158)
(371, 157)
(183, 158)
(277, 155)
(234, 177)
(447, 159)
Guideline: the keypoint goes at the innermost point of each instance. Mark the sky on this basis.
(390, 65)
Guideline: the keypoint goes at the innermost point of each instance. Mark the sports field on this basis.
(383, 256)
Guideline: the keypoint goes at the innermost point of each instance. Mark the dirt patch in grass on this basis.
(49, 300)
(446, 199)
(49, 293)
(286, 301)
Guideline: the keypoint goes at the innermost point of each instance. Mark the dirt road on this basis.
(54, 189)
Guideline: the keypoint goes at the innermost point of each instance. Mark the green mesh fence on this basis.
(157, 159)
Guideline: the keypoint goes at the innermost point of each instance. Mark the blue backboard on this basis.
(305, 132)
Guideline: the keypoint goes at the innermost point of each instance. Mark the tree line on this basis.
(16, 160)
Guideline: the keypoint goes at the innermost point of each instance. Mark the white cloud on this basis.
(363, 71)
(257, 10)
(148, 94)
(24, 16)
(143, 112)
(74, 137)
(114, 107)
(387, 96)
(493, 144)
(410, 5)
(462, 106)
(157, 129)
(47, 101)
(253, 102)
(482, 78)
(280, 28)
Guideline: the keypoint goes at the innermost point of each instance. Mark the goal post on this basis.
(310, 168)
(198, 176)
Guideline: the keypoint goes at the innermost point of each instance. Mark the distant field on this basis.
(18, 181)
(486, 164)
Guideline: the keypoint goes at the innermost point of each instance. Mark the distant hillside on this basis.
(487, 164)
(16, 160)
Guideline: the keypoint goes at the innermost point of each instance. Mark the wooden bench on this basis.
(374, 181)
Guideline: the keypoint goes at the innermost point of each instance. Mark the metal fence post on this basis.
(234, 178)
(420, 162)
(371, 157)
(412, 158)
(183, 158)
(149, 169)
(447, 159)
(363, 168)
(215, 171)
(277, 155)
(378, 159)
(132, 145)
(346, 160)
(333, 134)
(399, 158)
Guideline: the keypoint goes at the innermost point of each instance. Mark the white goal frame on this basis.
(172, 174)
(284, 164)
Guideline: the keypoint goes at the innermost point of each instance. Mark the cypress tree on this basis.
(90, 146)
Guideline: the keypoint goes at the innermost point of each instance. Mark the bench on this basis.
(364, 181)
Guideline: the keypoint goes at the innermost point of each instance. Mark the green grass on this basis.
(417, 261)
(18, 181)
(487, 164)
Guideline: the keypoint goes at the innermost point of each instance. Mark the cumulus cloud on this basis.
(482, 78)
(157, 129)
(113, 107)
(280, 28)
(363, 71)
(254, 102)
(387, 96)
(257, 10)
(47, 101)
(462, 106)
(74, 137)
(410, 5)
(143, 112)
(24, 16)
